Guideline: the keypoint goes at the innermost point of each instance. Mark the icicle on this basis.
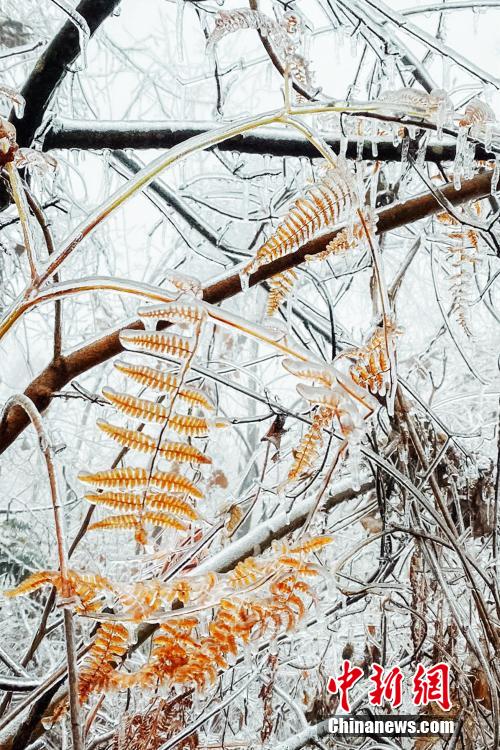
(459, 155)
(17, 100)
(405, 148)
(244, 280)
(495, 187)
(81, 25)
(179, 28)
(343, 144)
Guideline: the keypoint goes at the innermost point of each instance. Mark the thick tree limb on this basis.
(110, 134)
(60, 372)
(53, 65)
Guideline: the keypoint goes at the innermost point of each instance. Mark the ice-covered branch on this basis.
(60, 372)
(85, 134)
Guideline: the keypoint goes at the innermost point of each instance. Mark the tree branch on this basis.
(111, 134)
(52, 66)
(61, 371)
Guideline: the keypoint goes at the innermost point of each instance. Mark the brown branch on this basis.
(64, 369)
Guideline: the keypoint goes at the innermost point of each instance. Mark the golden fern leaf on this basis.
(87, 589)
(131, 477)
(174, 312)
(344, 241)
(138, 408)
(309, 371)
(323, 204)
(128, 501)
(36, 581)
(246, 573)
(371, 369)
(307, 453)
(280, 286)
(139, 441)
(110, 643)
(165, 382)
(131, 521)
(157, 342)
(311, 545)
(185, 424)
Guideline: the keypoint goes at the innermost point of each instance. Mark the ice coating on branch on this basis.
(435, 107)
(15, 98)
(180, 312)
(229, 21)
(477, 121)
(80, 23)
(33, 159)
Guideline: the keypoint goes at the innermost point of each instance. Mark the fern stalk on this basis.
(34, 415)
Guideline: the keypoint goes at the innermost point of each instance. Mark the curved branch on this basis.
(64, 369)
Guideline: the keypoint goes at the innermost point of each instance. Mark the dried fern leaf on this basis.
(185, 424)
(131, 521)
(477, 112)
(179, 313)
(86, 590)
(311, 545)
(109, 645)
(136, 478)
(372, 366)
(435, 106)
(139, 441)
(343, 242)
(34, 582)
(245, 573)
(306, 455)
(280, 287)
(165, 382)
(229, 21)
(309, 371)
(157, 342)
(133, 502)
(138, 408)
(324, 203)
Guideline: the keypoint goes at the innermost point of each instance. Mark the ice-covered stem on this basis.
(36, 420)
(58, 374)
(23, 212)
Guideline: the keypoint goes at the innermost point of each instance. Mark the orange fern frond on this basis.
(140, 441)
(132, 521)
(323, 204)
(371, 369)
(344, 241)
(174, 312)
(134, 502)
(165, 382)
(131, 477)
(34, 582)
(110, 644)
(309, 371)
(138, 408)
(280, 286)
(86, 590)
(307, 453)
(245, 574)
(157, 342)
(185, 424)
(311, 545)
